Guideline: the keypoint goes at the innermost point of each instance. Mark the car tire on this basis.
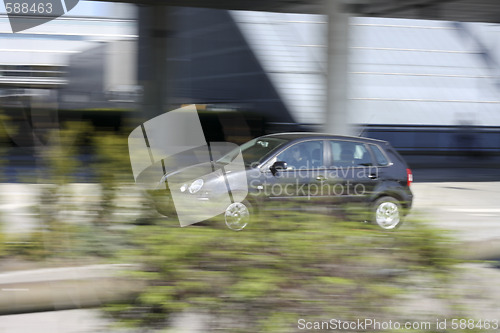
(238, 215)
(387, 213)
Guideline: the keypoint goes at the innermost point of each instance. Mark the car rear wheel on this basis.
(238, 215)
(387, 213)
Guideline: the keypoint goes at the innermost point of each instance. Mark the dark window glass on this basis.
(304, 155)
(253, 151)
(350, 154)
(379, 156)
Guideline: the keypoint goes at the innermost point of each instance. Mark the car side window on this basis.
(350, 154)
(379, 156)
(303, 155)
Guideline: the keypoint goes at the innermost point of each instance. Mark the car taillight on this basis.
(409, 176)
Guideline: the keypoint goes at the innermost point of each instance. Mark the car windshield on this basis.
(254, 151)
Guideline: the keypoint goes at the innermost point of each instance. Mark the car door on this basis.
(352, 167)
(293, 185)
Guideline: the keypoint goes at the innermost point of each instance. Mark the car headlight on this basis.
(183, 188)
(195, 186)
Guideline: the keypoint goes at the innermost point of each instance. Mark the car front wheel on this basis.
(238, 215)
(387, 213)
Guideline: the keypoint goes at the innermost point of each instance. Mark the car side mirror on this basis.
(278, 165)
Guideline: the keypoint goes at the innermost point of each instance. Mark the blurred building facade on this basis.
(35, 63)
(430, 87)
(426, 86)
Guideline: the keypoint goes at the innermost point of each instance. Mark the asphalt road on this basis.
(470, 211)
(67, 321)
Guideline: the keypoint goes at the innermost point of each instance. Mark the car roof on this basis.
(292, 136)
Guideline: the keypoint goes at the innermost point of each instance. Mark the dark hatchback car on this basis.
(309, 169)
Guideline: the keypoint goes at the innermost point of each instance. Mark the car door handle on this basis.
(372, 176)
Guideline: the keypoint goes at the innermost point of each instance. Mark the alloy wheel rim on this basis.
(237, 216)
(387, 215)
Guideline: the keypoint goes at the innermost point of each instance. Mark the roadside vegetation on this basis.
(283, 267)
(72, 225)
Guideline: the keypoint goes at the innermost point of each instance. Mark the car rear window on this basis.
(349, 154)
(379, 156)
